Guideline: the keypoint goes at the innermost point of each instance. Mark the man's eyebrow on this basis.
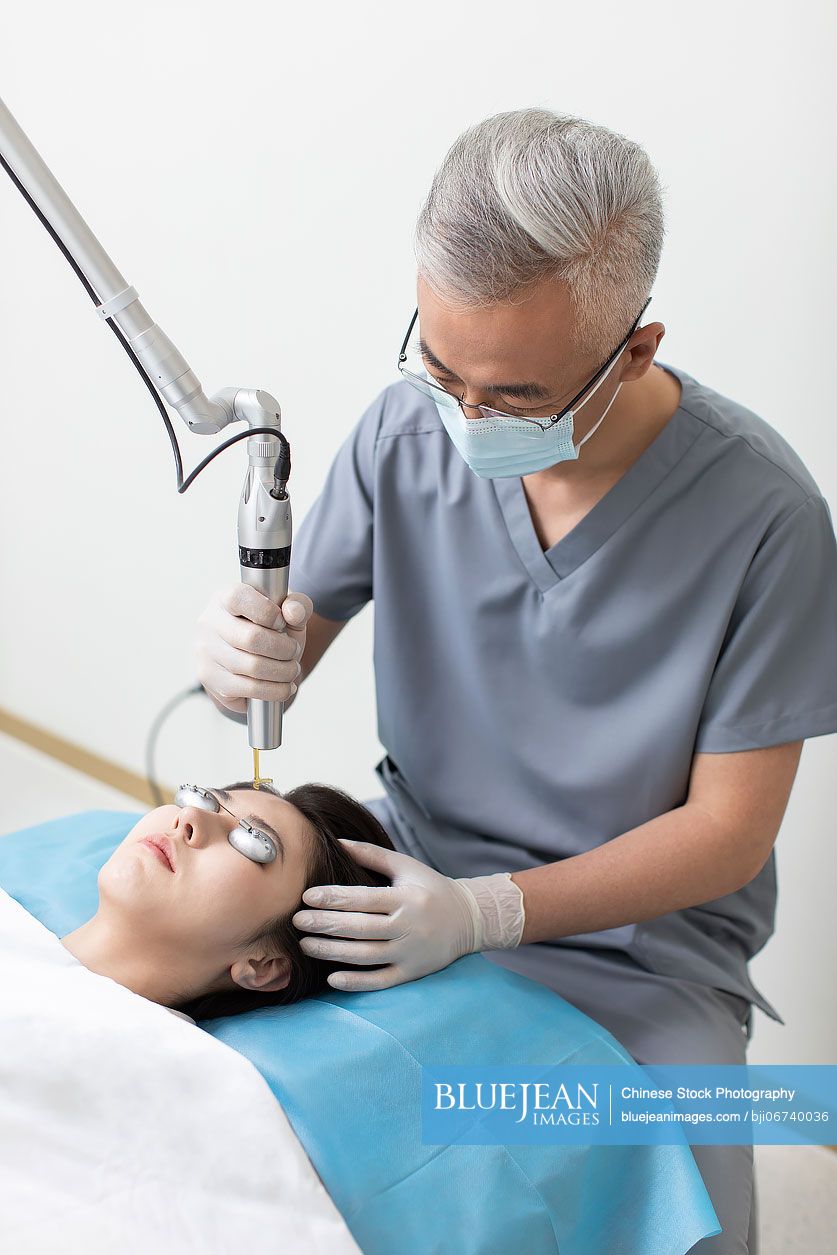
(524, 391)
(257, 821)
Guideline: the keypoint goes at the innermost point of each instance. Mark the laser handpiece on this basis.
(264, 543)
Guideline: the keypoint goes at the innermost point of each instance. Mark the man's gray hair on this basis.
(532, 194)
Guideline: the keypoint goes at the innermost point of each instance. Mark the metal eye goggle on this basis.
(249, 841)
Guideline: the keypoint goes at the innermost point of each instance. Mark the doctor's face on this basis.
(512, 356)
(522, 357)
(214, 896)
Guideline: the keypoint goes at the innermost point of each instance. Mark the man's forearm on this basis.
(676, 860)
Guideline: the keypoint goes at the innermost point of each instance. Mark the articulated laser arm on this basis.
(264, 514)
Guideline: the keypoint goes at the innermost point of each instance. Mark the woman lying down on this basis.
(195, 904)
(148, 1135)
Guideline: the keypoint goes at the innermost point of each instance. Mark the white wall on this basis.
(255, 170)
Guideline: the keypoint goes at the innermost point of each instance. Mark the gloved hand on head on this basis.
(417, 925)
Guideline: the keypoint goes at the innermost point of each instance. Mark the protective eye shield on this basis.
(249, 841)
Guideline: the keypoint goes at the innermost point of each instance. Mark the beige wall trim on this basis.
(80, 759)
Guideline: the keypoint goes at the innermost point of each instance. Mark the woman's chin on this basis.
(133, 877)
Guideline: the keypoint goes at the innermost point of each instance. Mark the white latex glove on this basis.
(420, 923)
(240, 652)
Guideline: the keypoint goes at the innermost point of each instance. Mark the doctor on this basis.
(605, 621)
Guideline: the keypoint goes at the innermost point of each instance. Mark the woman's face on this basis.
(200, 913)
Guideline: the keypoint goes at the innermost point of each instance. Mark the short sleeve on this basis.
(776, 675)
(331, 553)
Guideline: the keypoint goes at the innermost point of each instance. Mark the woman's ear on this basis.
(264, 974)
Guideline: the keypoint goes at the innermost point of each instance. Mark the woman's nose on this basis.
(194, 831)
(182, 827)
(195, 826)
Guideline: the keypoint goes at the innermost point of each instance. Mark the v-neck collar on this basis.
(608, 514)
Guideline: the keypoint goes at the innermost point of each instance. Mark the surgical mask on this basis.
(497, 448)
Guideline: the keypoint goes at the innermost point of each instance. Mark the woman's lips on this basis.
(161, 848)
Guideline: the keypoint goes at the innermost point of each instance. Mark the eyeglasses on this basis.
(410, 364)
(249, 841)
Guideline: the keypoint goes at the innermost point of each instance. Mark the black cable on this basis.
(182, 484)
(153, 732)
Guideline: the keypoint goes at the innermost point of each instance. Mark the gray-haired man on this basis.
(596, 659)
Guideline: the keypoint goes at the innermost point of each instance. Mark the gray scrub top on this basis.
(535, 704)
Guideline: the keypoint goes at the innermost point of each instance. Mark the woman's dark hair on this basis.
(331, 814)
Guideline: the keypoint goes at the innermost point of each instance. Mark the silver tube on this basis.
(166, 367)
(57, 208)
(264, 537)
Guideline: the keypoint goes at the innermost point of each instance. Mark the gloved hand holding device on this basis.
(240, 653)
(417, 925)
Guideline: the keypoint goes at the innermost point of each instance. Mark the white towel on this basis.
(126, 1128)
